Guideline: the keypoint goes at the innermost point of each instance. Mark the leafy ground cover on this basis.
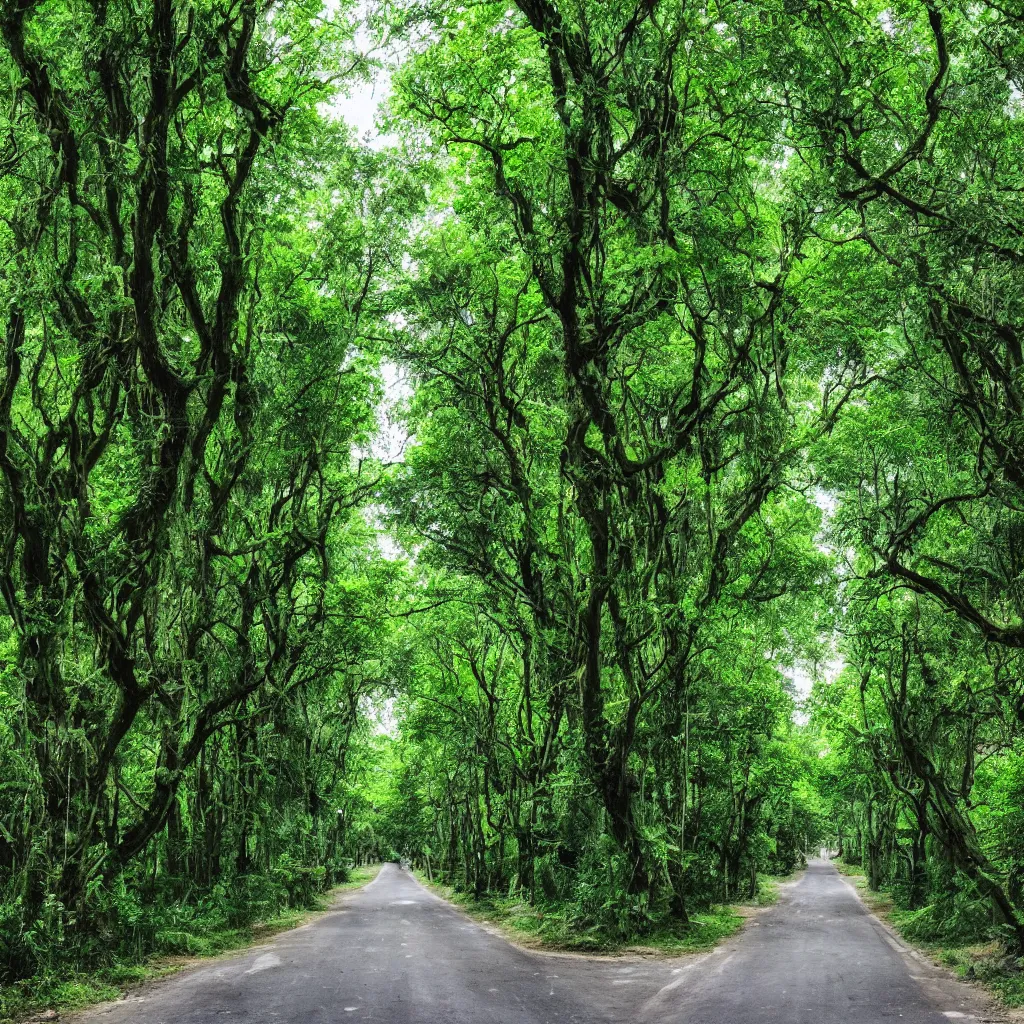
(553, 926)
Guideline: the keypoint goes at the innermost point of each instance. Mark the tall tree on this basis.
(180, 395)
(604, 304)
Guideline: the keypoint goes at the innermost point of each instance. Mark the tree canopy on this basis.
(704, 549)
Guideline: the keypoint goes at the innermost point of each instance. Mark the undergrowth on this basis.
(200, 932)
(555, 926)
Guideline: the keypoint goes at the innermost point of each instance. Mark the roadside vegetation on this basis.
(553, 927)
(972, 953)
(600, 488)
(195, 936)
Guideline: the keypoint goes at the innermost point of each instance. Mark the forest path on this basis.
(394, 953)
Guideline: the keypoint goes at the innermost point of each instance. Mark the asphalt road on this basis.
(396, 954)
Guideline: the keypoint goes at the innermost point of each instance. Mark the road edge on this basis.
(171, 968)
(941, 983)
(527, 943)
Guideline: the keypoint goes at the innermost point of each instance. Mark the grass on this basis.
(768, 887)
(549, 927)
(987, 964)
(983, 962)
(359, 877)
(43, 997)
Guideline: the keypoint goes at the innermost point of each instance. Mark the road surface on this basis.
(394, 953)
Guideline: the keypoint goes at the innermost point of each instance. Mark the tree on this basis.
(181, 394)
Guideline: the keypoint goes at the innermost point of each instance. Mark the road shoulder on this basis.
(955, 997)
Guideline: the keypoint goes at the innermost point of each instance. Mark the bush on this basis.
(956, 920)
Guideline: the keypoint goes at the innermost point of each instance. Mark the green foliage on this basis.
(166, 936)
(559, 925)
(712, 327)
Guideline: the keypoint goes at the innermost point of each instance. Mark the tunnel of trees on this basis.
(601, 486)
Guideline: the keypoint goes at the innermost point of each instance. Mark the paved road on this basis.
(395, 954)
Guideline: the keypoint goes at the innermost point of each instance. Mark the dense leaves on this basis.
(703, 326)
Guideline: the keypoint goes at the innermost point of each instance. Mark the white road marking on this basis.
(673, 984)
(264, 963)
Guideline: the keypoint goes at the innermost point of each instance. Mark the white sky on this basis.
(360, 105)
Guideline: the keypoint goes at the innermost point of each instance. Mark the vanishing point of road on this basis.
(394, 953)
